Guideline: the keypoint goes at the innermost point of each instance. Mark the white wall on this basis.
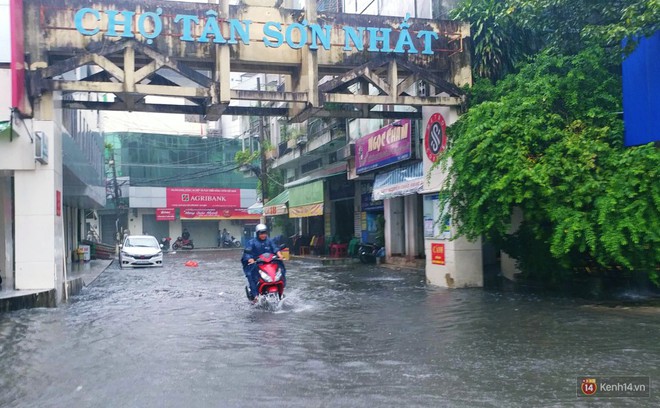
(5, 96)
(5, 37)
(19, 153)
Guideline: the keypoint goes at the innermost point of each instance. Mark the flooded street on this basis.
(345, 337)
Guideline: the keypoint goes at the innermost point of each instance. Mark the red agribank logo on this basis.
(185, 197)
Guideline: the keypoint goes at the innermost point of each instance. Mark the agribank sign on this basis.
(184, 197)
(115, 23)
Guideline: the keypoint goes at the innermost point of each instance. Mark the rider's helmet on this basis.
(261, 228)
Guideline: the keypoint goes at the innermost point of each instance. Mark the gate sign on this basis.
(125, 23)
(438, 254)
(186, 197)
(435, 139)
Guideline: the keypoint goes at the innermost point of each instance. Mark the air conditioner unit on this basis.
(41, 147)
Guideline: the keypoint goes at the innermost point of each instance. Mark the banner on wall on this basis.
(165, 214)
(385, 146)
(17, 67)
(434, 122)
(217, 214)
(437, 254)
(185, 197)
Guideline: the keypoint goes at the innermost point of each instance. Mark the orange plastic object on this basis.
(192, 263)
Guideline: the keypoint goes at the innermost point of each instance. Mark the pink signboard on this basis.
(218, 214)
(17, 67)
(186, 197)
(385, 146)
(165, 214)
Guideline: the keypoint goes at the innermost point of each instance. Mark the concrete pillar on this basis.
(6, 240)
(394, 227)
(39, 240)
(461, 265)
(508, 264)
(413, 226)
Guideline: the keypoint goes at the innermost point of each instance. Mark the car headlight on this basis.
(125, 253)
(265, 276)
(159, 253)
(278, 275)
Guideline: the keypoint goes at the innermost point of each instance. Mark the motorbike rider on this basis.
(185, 234)
(259, 245)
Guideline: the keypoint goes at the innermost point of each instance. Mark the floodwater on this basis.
(349, 336)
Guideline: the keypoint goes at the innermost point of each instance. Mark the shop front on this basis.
(402, 209)
(387, 152)
(372, 219)
(306, 204)
(204, 212)
(341, 196)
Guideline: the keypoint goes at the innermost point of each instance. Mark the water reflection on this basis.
(344, 337)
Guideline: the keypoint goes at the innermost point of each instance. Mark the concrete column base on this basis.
(456, 264)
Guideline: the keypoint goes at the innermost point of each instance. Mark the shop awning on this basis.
(216, 214)
(399, 182)
(277, 206)
(306, 200)
(5, 129)
(256, 208)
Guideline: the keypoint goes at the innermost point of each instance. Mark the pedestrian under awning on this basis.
(403, 181)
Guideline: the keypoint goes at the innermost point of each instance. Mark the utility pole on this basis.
(262, 158)
(115, 194)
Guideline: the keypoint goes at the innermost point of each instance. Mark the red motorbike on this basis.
(270, 287)
(182, 243)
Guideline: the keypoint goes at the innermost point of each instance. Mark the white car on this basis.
(140, 250)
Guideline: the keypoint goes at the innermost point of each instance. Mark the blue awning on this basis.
(405, 180)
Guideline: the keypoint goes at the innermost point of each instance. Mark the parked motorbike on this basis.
(165, 242)
(181, 243)
(271, 284)
(231, 242)
(368, 253)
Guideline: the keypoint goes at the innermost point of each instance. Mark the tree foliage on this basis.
(548, 140)
(495, 36)
(506, 32)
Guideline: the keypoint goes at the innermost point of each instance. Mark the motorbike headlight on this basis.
(278, 275)
(265, 276)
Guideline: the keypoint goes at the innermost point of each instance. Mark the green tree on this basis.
(498, 40)
(548, 141)
(507, 32)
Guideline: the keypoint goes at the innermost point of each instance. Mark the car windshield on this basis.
(148, 242)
